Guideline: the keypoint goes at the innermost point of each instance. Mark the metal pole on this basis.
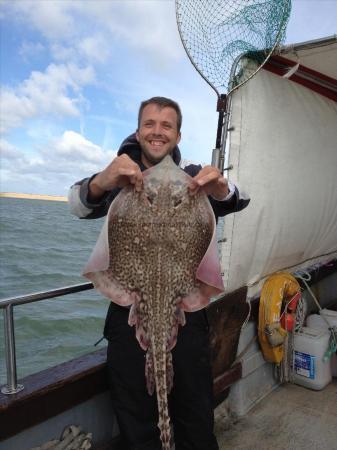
(221, 109)
(12, 387)
(225, 133)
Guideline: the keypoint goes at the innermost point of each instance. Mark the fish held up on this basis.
(157, 253)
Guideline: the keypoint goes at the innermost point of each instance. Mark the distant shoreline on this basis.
(55, 198)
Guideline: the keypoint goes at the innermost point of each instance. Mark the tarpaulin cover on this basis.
(284, 152)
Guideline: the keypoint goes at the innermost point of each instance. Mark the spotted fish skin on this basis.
(157, 239)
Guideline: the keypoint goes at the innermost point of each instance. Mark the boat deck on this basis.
(291, 417)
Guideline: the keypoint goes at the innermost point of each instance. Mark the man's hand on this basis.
(211, 181)
(119, 173)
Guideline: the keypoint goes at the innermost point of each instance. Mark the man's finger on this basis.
(193, 187)
(138, 182)
(212, 176)
(127, 171)
(222, 181)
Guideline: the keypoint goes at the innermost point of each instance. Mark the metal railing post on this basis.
(7, 304)
(12, 386)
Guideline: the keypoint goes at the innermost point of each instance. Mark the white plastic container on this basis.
(329, 312)
(310, 370)
(318, 322)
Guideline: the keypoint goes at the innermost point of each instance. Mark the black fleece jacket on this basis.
(130, 147)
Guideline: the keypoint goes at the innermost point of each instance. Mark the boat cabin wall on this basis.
(94, 415)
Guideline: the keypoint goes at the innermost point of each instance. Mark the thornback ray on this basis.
(157, 252)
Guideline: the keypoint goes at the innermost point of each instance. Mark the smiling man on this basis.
(191, 399)
(158, 132)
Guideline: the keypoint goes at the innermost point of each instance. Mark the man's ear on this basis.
(179, 137)
(137, 135)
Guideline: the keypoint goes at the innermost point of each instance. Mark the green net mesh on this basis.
(217, 34)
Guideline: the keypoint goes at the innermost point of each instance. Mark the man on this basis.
(191, 399)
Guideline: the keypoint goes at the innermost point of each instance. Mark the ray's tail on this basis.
(159, 376)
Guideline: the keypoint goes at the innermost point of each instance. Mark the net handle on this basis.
(189, 55)
(224, 101)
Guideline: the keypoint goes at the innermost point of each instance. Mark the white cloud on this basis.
(12, 162)
(51, 18)
(30, 50)
(61, 52)
(58, 164)
(14, 109)
(91, 49)
(70, 155)
(94, 48)
(142, 26)
(45, 93)
(145, 26)
(74, 146)
(9, 151)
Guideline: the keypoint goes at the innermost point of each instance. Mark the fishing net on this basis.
(218, 34)
(228, 41)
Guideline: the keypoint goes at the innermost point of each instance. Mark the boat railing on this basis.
(7, 304)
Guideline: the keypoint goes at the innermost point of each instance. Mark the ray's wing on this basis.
(208, 273)
(97, 268)
(122, 209)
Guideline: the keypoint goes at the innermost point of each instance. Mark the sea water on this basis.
(42, 246)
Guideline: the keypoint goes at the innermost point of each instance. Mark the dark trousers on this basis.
(190, 401)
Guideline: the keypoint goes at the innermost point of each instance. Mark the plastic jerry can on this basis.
(317, 321)
(310, 370)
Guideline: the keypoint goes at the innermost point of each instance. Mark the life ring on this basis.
(279, 289)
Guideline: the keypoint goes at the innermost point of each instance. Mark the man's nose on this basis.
(157, 129)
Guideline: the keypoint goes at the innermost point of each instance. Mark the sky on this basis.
(73, 73)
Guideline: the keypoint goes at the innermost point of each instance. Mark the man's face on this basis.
(157, 134)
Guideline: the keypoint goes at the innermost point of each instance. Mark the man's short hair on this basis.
(162, 102)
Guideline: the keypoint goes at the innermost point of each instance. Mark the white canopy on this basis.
(319, 55)
(284, 152)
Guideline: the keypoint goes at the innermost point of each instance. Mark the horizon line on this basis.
(60, 198)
